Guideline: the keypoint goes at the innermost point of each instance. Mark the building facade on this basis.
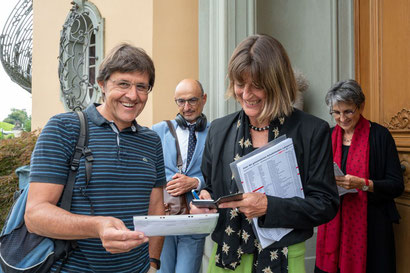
(327, 40)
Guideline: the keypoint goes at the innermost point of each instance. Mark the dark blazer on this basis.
(311, 138)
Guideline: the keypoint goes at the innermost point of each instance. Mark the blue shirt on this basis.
(127, 165)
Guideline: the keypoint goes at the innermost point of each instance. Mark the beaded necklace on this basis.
(258, 128)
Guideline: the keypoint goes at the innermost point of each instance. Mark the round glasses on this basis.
(126, 85)
(346, 113)
(192, 101)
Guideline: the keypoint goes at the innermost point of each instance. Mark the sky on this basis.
(11, 94)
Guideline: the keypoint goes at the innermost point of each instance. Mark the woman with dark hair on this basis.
(262, 81)
(360, 238)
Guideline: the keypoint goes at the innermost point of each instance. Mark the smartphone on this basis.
(228, 198)
(211, 204)
(200, 203)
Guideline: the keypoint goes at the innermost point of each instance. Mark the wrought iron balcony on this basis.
(16, 44)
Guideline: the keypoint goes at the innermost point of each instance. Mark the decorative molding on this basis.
(405, 162)
(345, 39)
(356, 23)
(375, 60)
(401, 121)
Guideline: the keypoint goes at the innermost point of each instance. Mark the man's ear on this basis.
(101, 84)
(102, 87)
(204, 97)
(362, 107)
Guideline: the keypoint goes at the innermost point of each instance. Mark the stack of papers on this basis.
(272, 169)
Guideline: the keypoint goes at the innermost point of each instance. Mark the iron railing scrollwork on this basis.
(16, 44)
(80, 53)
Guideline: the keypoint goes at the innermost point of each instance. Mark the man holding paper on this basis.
(126, 179)
(261, 79)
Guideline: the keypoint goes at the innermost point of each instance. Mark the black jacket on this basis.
(387, 176)
(312, 142)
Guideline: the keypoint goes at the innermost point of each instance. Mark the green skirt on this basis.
(296, 261)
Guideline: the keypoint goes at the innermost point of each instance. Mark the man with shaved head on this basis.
(183, 254)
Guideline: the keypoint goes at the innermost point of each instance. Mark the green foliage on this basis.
(6, 126)
(3, 136)
(27, 125)
(14, 153)
(19, 117)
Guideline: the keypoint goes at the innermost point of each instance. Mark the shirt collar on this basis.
(99, 120)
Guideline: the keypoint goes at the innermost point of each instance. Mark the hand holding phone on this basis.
(209, 203)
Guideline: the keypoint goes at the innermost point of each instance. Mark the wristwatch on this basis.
(156, 261)
(366, 186)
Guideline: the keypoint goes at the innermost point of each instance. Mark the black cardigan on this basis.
(312, 142)
(387, 177)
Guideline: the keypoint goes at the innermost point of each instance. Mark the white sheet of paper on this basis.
(273, 171)
(338, 172)
(343, 191)
(165, 225)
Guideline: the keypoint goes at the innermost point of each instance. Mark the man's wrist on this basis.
(156, 263)
(197, 185)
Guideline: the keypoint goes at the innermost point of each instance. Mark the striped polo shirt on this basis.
(126, 166)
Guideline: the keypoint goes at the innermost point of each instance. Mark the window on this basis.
(81, 50)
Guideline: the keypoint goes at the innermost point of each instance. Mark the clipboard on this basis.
(166, 225)
(273, 170)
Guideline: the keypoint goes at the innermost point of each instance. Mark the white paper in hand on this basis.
(338, 172)
(165, 225)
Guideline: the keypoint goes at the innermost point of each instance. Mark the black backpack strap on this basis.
(80, 150)
(174, 134)
(64, 248)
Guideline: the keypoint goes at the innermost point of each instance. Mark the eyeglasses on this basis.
(126, 85)
(192, 101)
(346, 113)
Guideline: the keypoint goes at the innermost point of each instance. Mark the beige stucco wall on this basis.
(167, 30)
(175, 51)
(46, 35)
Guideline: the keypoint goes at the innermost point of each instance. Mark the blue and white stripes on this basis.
(127, 165)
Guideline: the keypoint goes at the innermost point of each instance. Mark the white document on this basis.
(165, 225)
(273, 170)
(338, 172)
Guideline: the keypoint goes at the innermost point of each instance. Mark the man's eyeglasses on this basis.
(192, 101)
(126, 85)
(346, 113)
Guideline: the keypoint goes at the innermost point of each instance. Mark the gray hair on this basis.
(348, 91)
